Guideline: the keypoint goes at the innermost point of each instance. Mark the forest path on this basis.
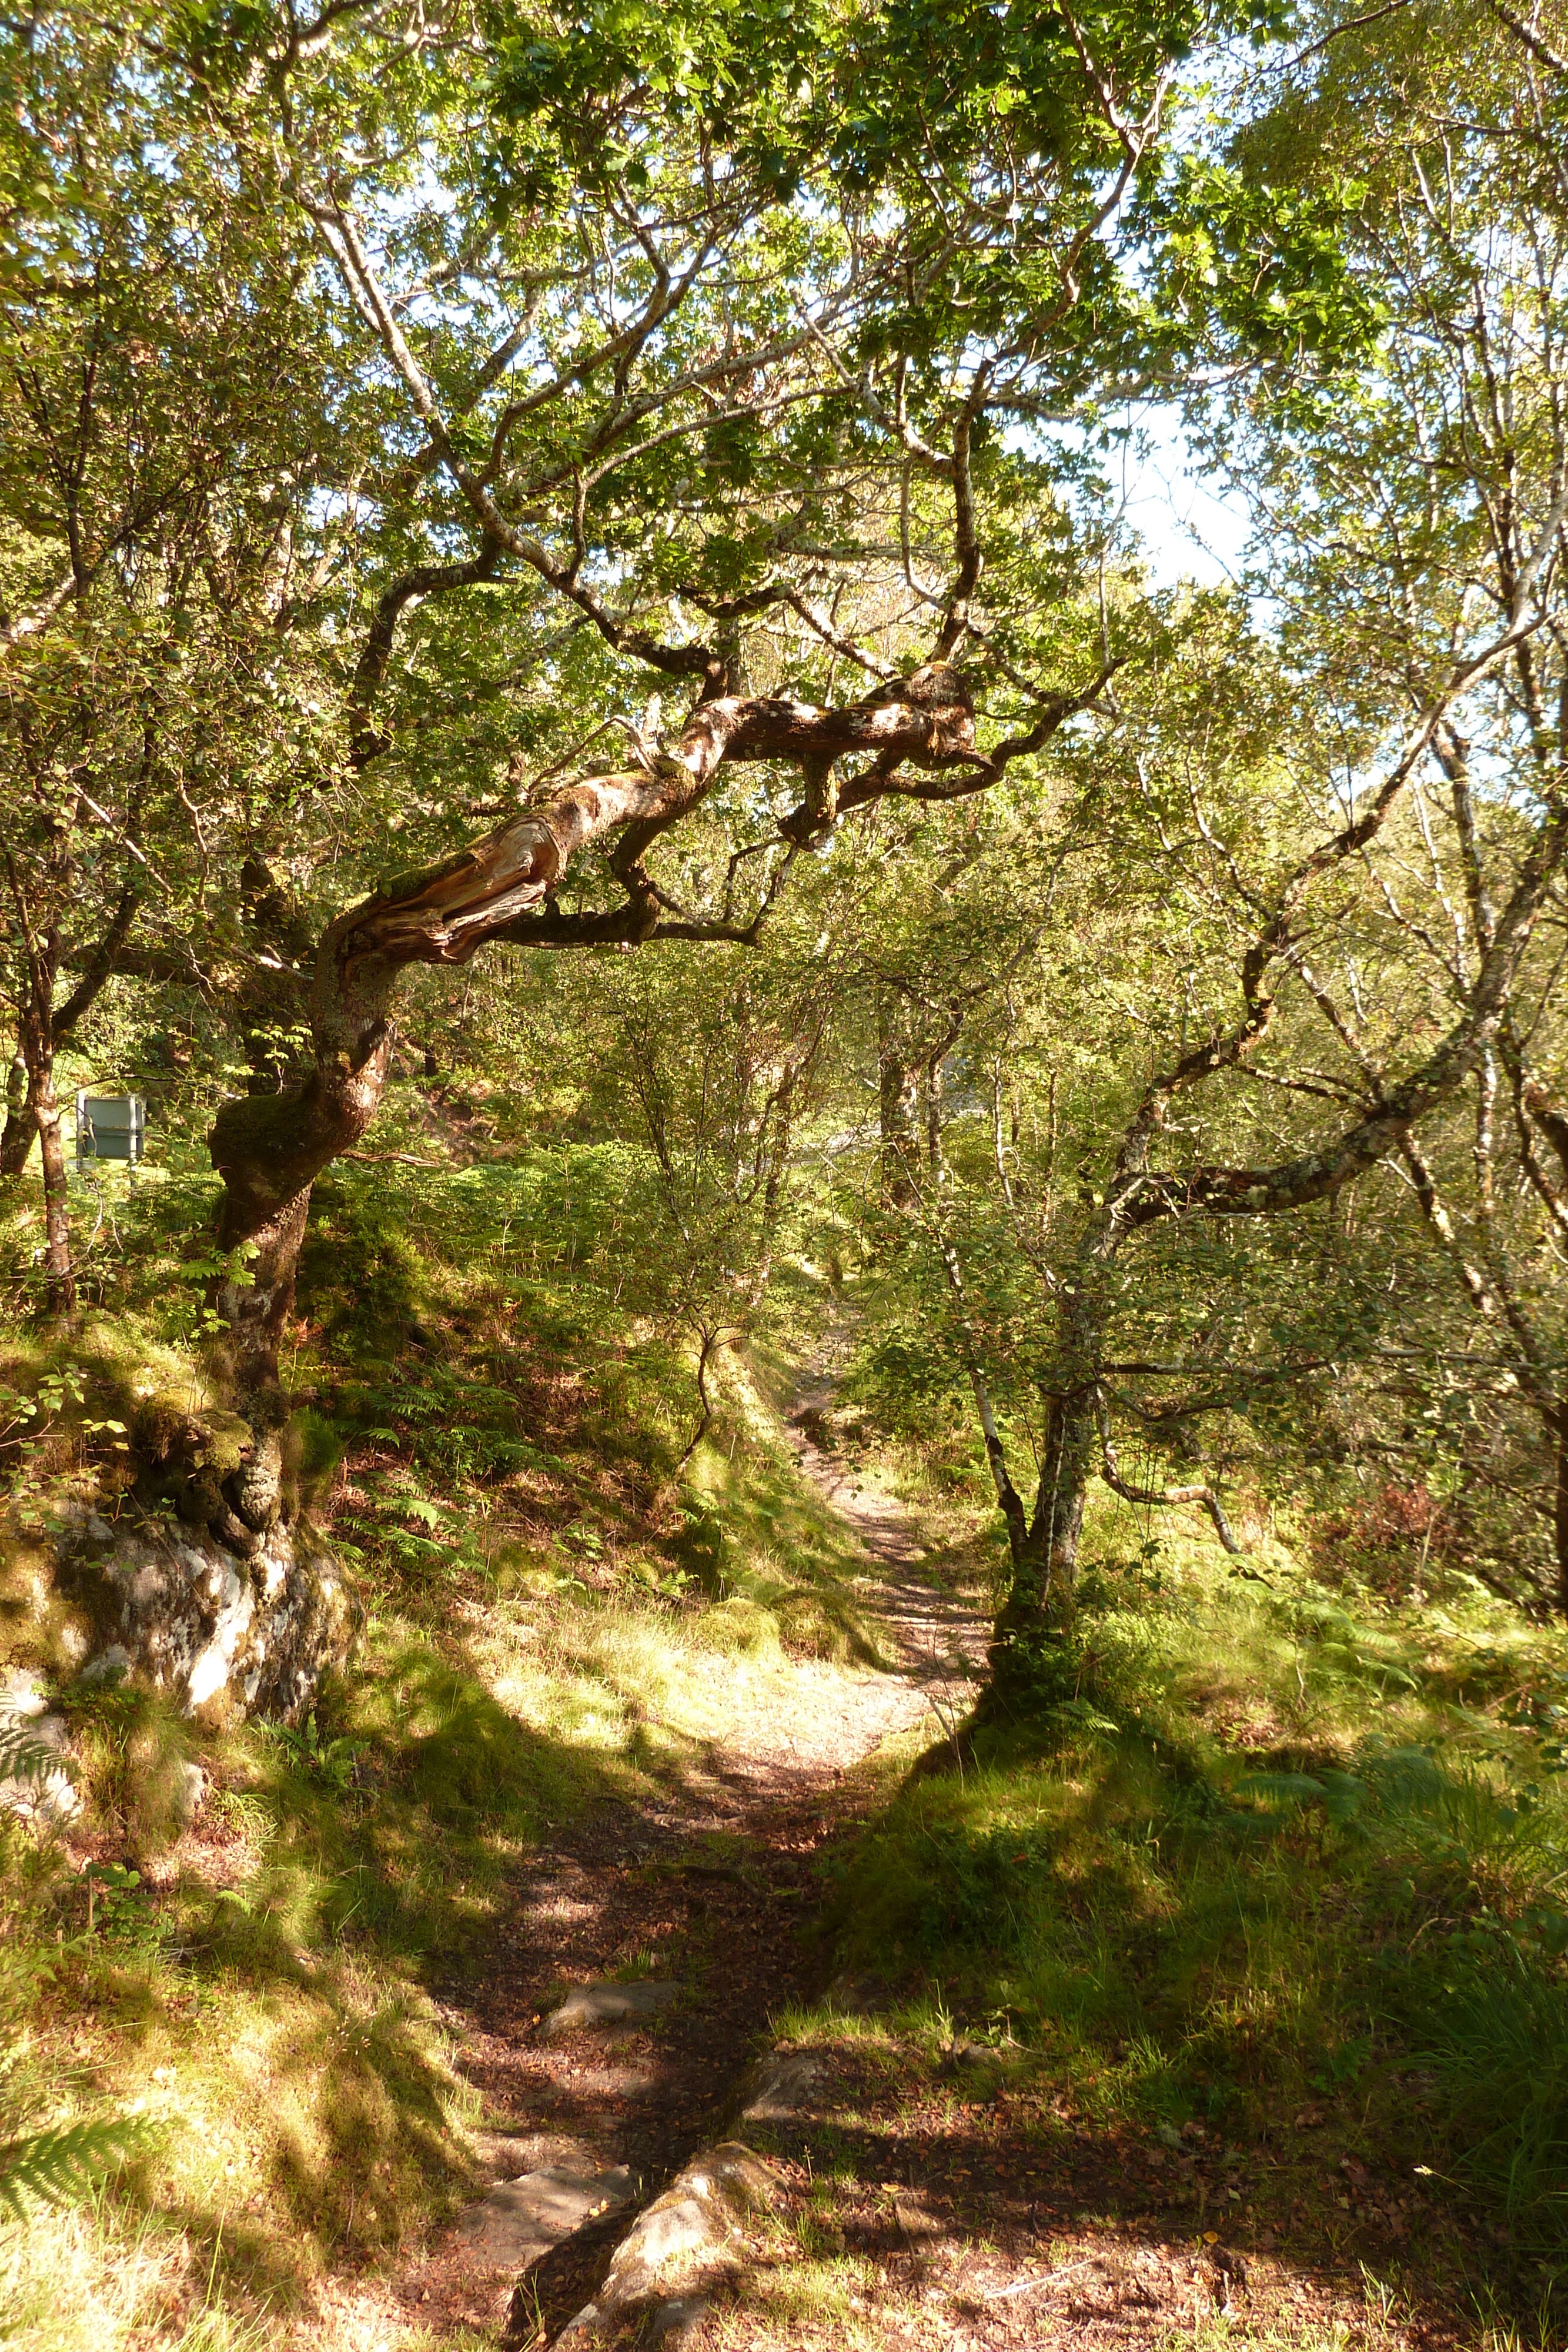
(705, 1888)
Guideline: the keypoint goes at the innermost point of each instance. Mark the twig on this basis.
(374, 1159)
(1028, 2287)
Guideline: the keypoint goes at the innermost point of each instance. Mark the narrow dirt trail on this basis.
(704, 1891)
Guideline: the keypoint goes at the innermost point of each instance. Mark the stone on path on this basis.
(521, 2220)
(782, 2086)
(597, 2008)
(689, 2230)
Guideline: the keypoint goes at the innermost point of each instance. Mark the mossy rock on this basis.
(737, 1625)
(169, 1429)
(220, 1634)
(42, 1625)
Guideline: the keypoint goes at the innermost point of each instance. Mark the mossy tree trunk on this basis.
(43, 1026)
(270, 1149)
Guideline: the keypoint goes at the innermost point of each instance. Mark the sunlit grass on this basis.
(1154, 1903)
(558, 1622)
(1099, 1897)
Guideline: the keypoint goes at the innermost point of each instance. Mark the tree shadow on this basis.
(384, 1854)
(904, 2199)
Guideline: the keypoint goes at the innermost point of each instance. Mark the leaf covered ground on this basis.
(1222, 1997)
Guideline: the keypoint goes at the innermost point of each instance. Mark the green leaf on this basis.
(49, 2168)
(25, 1757)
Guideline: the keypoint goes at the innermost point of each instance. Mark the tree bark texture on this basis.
(1038, 1606)
(56, 1201)
(21, 1120)
(270, 1149)
(39, 1112)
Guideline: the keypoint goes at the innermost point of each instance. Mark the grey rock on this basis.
(110, 1666)
(782, 2086)
(189, 1791)
(975, 2060)
(855, 1996)
(20, 1695)
(692, 2226)
(521, 2220)
(225, 1635)
(677, 2322)
(51, 1798)
(675, 2226)
(600, 2007)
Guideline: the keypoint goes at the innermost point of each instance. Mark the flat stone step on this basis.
(600, 2007)
(521, 2220)
(696, 2220)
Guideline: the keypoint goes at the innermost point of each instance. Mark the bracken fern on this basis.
(26, 1757)
(50, 2168)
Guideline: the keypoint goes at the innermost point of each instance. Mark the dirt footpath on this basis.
(707, 1893)
(939, 2204)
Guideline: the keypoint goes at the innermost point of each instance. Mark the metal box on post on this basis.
(109, 1126)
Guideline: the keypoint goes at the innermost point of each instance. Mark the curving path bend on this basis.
(715, 1878)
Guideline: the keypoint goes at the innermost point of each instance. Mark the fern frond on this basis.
(25, 1757)
(1281, 1788)
(1078, 1714)
(52, 2166)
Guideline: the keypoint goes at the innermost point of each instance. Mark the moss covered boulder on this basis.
(223, 1633)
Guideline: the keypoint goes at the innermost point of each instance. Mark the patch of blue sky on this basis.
(1190, 523)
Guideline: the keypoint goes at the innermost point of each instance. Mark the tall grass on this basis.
(551, 1622)
(1263, 1855)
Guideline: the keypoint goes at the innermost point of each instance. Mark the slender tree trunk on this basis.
(708, 1354)
(40, 1114)
(31, 1107)
(1560, 1511)
(1008, 1500)
(1039, 1609)
(21, 1124)
(898, 1091)
(57, 1204)
(783, 1108)
(1038, 1606)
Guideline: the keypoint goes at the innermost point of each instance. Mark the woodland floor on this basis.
(976, 2215)
(709, 1887)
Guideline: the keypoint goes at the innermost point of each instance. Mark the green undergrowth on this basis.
(1262, 1873)
(557, 1616)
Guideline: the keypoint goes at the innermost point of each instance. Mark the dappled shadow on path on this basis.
(936, 1638)
(991, 2215)
(708, 1879)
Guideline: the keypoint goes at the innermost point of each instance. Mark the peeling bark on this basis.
(270, 1149)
